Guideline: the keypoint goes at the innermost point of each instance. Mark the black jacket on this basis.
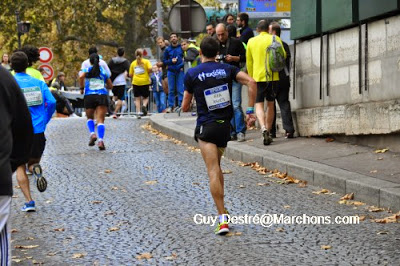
(234, 47)
(16, 130)
(284, 80)
(118, 65)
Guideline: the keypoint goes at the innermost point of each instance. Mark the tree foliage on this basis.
(70, 27)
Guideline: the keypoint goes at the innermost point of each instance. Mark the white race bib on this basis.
(96, 84)
(33, 96)
(217, 97)
(139, 70)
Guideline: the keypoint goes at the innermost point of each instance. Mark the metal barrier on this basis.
(130, 103)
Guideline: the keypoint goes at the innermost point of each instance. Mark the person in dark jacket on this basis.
(16, 134)
(282, 95)
(119, 67)
(242, 22)
(173, 59)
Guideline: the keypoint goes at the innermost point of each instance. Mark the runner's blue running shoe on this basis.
(29, 207)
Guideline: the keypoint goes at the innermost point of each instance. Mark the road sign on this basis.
(46, 55)
(147, 52)
(48, 71)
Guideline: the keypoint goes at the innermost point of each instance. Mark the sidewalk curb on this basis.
(370, 190)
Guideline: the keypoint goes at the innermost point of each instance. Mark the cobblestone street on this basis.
(101, 209)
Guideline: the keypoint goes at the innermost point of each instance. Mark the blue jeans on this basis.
(237, 122)
(159, 97)
(175, 85)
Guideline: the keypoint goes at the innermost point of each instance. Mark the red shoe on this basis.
(222, 229)
(101, 146)
(92, 140)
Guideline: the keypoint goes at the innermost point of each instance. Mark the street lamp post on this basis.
(19, 33)
(22, 27)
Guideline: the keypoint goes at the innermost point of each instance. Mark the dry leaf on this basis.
(17, 187)
(262, 184)
(109, 213)
(234, 234)
(52, 254)
(226, 172)
(112, 229)
(244, 164)
(373, 171)
(144, 256)
(172, 257)
(242, 186)
(59, 229)
(379, 159)
(114, 188)
(107, 171)
(322, 191)
(286, 206)
(14, 231)
(362, 218)
(382, 233)
(329, 140)
(152, 182)
(390, 219)
(375, 209)
(326, 247)
(302, 185)
(350, 202)
(96, 202)
(26, 247)
(78, 255)
(280, 229)
(29, 238)
(381, 151)
(349, 196)
(196, 183)
(17, 260)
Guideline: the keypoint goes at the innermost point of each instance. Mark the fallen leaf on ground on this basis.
(26, 247)
(234, 234)
(302, 185)
(196, 184)
(144, 256)
(286, 206)
(381, 151)
(350, 202)
(114, 188)
(112, 229)
(48, 201)
(17, 187)
(14, 231)
(96, 202)
(322, 191)
(373, 171)
(382, 233)
(326, 247)
(262, 184)
(110, 213)
(349, 196)
(107, 171)
(329, 140)
(29, 238)
(226, 171)
(172, 257)
(78, 255)
(14, 196)
(244, 164)
(242, 186)
(37, 262)
(52, 254)
(380, 158)
(59, 229)
(362, 218)
(280, 229)
(152, 182)
(17, 260)
(375, 209)
(390, 219)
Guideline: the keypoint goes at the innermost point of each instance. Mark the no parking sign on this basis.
(48, 71)
(46, 55)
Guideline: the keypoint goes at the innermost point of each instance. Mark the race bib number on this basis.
(96, 84)
(33, 96)
(139, 70)
(217, 97)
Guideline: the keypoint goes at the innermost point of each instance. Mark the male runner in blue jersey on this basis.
(211, 85)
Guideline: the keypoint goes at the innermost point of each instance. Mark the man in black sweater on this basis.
(16, 134)
(232, 52)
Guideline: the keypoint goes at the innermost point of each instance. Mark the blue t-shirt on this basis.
(96, 85)
(39, 99)
(211, 84)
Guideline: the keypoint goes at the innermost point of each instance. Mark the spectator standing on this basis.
(232, 52)
(173, 59)
(163, 45)
(61, 81)
(190, 54)
(267, 81)
(210, 29)
(158, 91)
(119, 67)
(16, 134)
(5, 62)
(282, 95)
(242, 22)
(229, 19)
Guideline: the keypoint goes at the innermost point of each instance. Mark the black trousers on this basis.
(282, 97)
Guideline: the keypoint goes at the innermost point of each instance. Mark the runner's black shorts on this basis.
(119, 91)
(141, 91)
(218, 133)
(38, 144)
(94, 100)
(266, 90)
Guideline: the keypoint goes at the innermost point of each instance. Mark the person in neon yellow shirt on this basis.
(140, 71)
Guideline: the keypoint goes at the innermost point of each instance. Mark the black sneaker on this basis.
(233, 137)
(41, 182)
(289, 135)
(267, 138)
(144, 110)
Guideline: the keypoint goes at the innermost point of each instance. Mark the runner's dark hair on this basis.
(95, 71)
(19, 61)
(32, 52)
(209, 47)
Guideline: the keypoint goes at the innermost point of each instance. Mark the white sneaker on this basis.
(241, 137)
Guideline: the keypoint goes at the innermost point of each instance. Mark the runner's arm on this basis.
(187, 99)
(245, 79)
(109, 84)
(49, 101)
(82, 81)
